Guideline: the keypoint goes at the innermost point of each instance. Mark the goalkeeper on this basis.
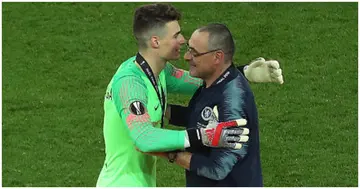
(135, 103)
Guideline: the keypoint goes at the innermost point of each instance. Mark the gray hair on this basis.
(220, 38)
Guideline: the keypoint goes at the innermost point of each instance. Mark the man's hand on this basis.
(225, 134)
(261, 71)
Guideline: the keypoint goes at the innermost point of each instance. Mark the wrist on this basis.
(194, 136)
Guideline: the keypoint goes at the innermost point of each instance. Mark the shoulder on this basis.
(128, 72)
(237, 88)
(128, 67)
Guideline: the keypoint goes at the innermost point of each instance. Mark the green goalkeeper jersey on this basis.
(132, 121)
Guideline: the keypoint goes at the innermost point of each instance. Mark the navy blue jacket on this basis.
(221, 167)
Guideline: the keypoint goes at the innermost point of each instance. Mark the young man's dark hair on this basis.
(151, 19)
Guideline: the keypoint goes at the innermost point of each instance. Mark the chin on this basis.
(192, 73)
(174, 57)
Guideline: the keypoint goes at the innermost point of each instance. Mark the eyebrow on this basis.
(177, 33)
(192, 48)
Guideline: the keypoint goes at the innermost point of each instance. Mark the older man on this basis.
(225, 95)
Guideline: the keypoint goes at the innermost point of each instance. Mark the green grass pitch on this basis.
(59, 57)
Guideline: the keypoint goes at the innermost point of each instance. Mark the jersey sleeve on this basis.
(180, 115)
(179, 81)
(130, 97)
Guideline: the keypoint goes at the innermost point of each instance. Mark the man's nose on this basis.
(182, 40)
(187, 56)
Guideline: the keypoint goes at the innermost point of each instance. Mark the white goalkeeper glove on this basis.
(261, 71)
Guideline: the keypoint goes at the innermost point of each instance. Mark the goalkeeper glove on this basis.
(221, 135)
(262, 71)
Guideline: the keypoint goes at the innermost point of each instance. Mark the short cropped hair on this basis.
(220, 37)
(150, 20)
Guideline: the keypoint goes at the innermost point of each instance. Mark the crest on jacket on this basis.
(210, 117)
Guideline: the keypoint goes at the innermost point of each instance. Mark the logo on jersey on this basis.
(206, 113)
(210, 117)
(137, 108)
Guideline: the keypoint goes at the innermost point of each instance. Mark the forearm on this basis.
(148, 138)
(151, 139)
(180, 82)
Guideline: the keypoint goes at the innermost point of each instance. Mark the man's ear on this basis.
(154, 42)
(219, 57)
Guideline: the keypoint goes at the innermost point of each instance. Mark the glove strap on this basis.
(195, 138)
